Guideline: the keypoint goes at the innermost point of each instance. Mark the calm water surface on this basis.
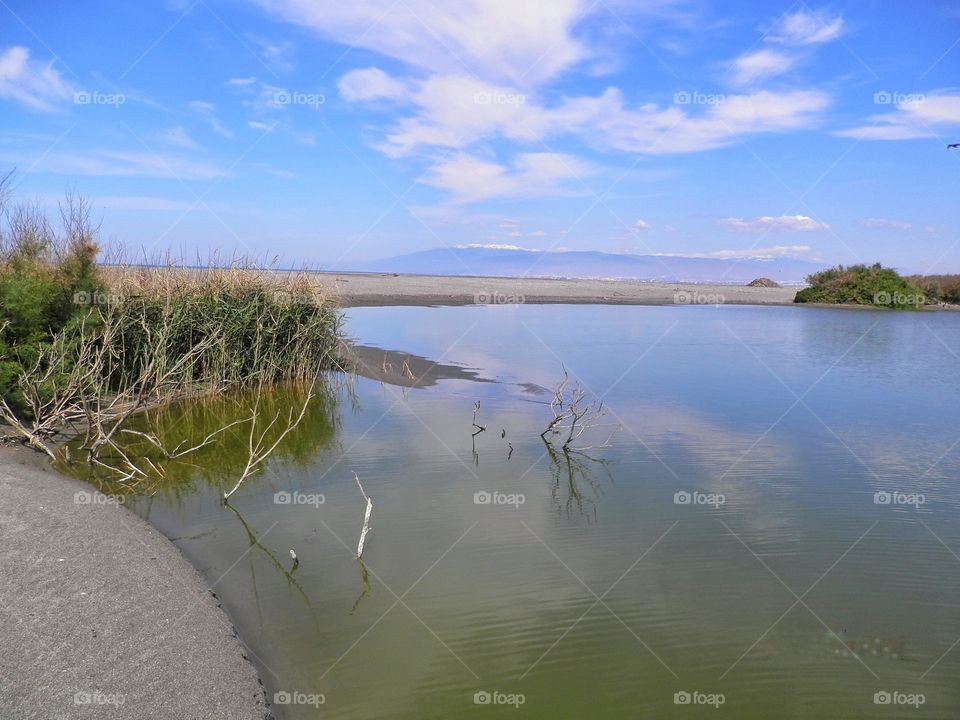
(795, 592)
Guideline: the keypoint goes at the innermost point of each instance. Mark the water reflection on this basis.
(694, 597)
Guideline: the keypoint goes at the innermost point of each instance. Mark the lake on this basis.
(772, 531)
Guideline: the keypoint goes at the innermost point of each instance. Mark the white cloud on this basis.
(767, 223)
(917, 116)
(762, 253)
(806, 28)
(470, 179)
(522, 42)
(641, 225)
(241, 82)
(370, 84)
(262, 126)
(456, 111)
(761, 65)
(496, 246)
(471, 72)
(177, 137)
(276, 54)
(886, 224)
(208, 112)
(36, 85)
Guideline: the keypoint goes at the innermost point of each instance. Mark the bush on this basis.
(872, 285)
(78, 340)
(939, 288)
(42, 272)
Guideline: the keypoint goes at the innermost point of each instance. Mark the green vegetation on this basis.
(41, 272)
(939, 288)
(85, 347)
(872, 285)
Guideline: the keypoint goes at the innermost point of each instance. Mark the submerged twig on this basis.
(476, 409)
(366, 518)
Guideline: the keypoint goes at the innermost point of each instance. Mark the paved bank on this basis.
(101, 617)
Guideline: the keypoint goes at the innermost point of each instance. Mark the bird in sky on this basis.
(953, 146)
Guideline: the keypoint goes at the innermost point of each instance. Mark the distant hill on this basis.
(508, 262)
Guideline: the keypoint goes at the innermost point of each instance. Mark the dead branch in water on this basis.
(257, 448)
(476, 409)
(573, 415)
(366, 518)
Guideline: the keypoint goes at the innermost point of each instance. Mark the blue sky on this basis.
(332, 132)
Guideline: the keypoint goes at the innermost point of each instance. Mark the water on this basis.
(787, 587)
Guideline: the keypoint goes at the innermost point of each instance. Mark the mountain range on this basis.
(516, 262)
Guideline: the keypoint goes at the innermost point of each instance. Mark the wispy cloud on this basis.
(915, 116)
(761, 65)
(524, 43)
(767, 223)
(457, 111)
(471, 179)
(495, 246)
(886, 224)
(32, 84)
(139, 202)
(118, 163)
(760, 253)
(806, 27)
(370, 84)
(208, 112)
(177, 137)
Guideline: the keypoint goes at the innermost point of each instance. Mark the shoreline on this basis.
(101, 609)
(388, 290)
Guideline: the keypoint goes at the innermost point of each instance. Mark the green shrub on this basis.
(42, 274)
(872, 285)
(56, 302)
(939, 288)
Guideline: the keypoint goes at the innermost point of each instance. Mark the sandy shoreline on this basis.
(102, 615)
(371, 289)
